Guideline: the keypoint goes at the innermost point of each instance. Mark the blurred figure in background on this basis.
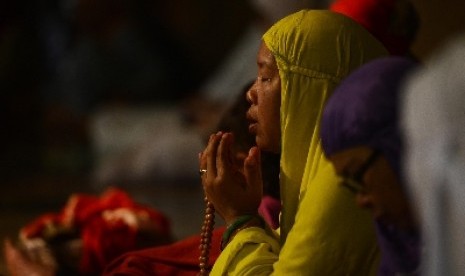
(433, 121)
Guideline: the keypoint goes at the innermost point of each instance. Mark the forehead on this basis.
(348, 156)
(265, 57)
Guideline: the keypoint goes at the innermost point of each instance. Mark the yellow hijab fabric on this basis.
(314, 50)
(322, 231)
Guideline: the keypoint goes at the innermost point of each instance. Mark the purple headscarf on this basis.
(363, 111)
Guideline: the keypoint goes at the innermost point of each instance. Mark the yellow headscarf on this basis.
(314, 50)
(322, 231)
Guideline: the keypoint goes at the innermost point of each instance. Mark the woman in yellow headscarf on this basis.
(301, 60)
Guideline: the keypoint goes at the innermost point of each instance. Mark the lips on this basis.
(252, 123)
(253, 128)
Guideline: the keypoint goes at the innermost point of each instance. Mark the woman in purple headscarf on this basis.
(360, 136)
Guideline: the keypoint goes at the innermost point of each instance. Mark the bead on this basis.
(206, 235)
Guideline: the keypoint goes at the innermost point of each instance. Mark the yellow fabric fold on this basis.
(322, 231)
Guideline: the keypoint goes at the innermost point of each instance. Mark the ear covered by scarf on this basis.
(363, 111)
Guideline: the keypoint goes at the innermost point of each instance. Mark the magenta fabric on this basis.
(269, 209)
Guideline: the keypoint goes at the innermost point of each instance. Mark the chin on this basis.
(261, 143)
(266, 145)
(267, 148)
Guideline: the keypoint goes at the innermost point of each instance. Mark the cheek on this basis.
(268, 115)
(388, 195)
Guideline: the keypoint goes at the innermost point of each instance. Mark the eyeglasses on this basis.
(355, 182)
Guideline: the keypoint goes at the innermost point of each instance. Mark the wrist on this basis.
(239, 224)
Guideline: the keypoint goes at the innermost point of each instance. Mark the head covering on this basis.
(314, 51)
(363, 110)
(393, 25)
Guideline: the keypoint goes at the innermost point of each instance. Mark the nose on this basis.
(364, 200)
(251, 94)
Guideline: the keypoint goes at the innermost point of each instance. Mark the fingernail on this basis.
(254, 151)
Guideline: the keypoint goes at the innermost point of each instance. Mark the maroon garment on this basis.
(180, 258)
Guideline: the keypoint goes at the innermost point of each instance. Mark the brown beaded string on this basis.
(206, 237)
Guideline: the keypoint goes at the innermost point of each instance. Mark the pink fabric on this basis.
(269, 209)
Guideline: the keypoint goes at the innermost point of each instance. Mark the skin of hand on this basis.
(234, 191)
(18, 264)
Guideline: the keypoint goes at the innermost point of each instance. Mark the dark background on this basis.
(61, 60)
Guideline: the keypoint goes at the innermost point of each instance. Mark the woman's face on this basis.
(265, 100)
(378, 188)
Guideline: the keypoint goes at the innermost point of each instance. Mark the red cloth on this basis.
(108, 226)
(181, 258)
(375, 16)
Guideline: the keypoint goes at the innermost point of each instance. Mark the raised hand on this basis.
(233, 189)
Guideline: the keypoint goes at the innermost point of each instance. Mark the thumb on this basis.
(252, 169)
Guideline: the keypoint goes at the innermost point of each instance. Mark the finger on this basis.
(210, 153)
(202, 161)
(239, 160)
(224, 158)
(231, 153)
(252, 170)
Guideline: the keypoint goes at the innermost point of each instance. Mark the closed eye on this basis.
(263, 79)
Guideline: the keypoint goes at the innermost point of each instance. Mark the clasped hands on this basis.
(234, 187)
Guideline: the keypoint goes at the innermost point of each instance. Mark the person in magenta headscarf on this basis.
(360, 136)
